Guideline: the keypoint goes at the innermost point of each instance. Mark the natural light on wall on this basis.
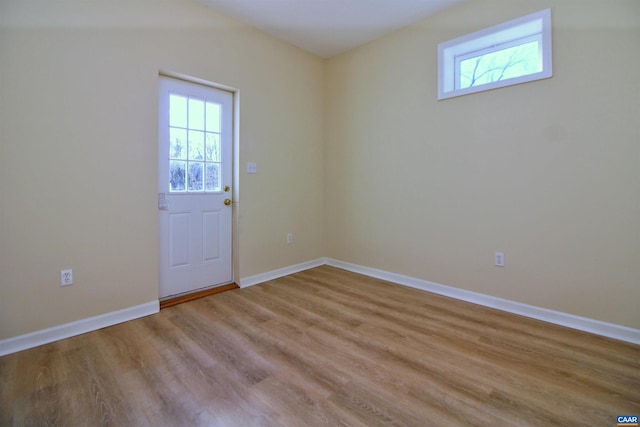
(510, 53)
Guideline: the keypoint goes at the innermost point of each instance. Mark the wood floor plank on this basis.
(91, 392)
(116, 342)
(164, 399)
(8, 372)
(42, 404)
(324, 347)
(227, 348)
(40, 368)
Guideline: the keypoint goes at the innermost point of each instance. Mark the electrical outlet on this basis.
(499, 259)
(252, 167)
(66, 277)
(290, 238)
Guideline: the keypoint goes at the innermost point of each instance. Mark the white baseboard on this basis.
(598, 327)
(274, 274)
(45, 336)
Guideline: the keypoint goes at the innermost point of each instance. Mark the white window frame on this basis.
(536, 26)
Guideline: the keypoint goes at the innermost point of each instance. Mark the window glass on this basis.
(194, 144)
(503, 64)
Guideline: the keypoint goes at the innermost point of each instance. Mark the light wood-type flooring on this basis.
(324, 347)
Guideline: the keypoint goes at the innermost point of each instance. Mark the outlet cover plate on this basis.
(66, 277)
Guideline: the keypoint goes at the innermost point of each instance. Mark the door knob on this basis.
(227, 202)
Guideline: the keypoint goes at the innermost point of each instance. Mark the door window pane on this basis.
(196, 145)
(177, 175)
(196, 176)
(177, 111)
(212, 178)
(178, 144)
(212, 147)
(196, 114)
(213, 117)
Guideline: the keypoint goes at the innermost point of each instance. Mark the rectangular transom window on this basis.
(510, 53)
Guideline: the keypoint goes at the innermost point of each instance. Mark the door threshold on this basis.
(171, 301)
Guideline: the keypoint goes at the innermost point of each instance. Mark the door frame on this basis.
(235, 170)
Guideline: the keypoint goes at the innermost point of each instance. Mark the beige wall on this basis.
(78, 149)
(354, 151)
(547, 172)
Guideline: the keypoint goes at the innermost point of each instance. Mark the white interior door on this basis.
(194, 186)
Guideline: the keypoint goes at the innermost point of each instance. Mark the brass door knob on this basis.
(227, 202)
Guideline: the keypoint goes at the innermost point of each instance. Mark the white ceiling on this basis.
(329, 27)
